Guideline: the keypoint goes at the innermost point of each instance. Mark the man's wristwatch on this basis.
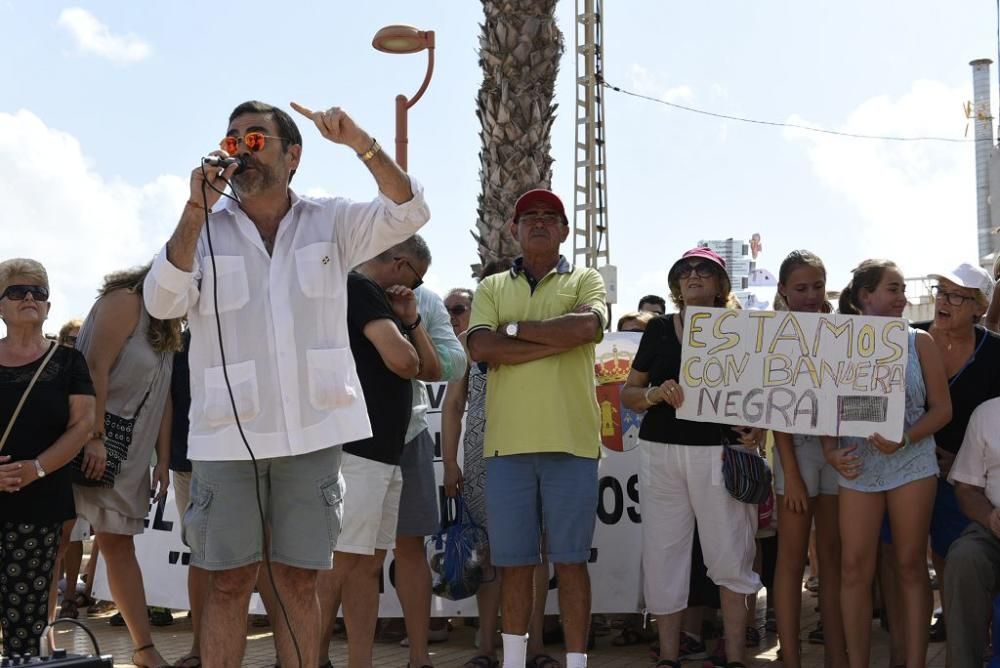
(39, 471)
(511, 330)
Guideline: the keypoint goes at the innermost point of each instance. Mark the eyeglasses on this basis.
(420, 279)
(703, 269)
(18, 292)
(457, 309)
(254, 141)
(953, 298)
(545, 217)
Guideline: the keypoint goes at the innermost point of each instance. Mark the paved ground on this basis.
(174, 641)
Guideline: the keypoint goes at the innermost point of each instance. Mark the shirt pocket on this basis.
(318, 273)
(333, 381)
(234, 291)
(243, 380)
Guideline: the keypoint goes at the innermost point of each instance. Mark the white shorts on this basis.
(679, 485)
(81, 531)
(371, 505)
(818, 474)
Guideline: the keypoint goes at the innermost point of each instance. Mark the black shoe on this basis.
(938, 632)
(815, 636)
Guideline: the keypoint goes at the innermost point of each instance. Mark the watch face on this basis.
(512, 329)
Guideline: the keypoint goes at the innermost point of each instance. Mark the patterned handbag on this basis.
(117, 439)
(746, 475)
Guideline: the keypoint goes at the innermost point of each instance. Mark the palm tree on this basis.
(519, 50)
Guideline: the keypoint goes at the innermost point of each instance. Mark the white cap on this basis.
(968, 275)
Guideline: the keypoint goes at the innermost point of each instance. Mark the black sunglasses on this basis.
(39, 293)
(457, 309)
(703, 269)
(420, 279)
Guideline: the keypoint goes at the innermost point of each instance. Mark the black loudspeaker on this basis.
(59, 659)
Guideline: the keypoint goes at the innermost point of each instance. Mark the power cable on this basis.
(797, 126)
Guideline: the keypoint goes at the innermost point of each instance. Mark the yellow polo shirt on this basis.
(549, 405)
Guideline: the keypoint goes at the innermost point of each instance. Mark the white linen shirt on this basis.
(978, 460)
(283, 320)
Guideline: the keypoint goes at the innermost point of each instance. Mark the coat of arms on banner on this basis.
(619, 425)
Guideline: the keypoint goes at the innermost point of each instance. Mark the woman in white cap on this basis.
(971, 356)
(679, 474)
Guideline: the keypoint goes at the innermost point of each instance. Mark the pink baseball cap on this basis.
(538, 196)
(702, 252)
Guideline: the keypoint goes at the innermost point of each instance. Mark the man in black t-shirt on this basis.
(388, 342)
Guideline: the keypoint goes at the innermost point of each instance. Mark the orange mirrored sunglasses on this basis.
(254, 141)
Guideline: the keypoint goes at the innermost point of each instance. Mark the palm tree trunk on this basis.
(519, 51)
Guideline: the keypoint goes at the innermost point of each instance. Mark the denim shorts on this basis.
(526, 492)
(302, 499)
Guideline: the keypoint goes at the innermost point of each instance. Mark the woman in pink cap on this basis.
(679, 478)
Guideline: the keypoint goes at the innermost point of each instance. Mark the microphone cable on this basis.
(232, 399)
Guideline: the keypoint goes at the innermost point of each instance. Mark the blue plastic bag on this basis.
(457, 566)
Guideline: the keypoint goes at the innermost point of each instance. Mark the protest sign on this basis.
(614, 561)
(805, 373)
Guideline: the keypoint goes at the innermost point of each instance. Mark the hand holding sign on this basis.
(885, 445)
(337, 126)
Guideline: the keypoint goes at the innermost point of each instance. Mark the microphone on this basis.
(223, 163)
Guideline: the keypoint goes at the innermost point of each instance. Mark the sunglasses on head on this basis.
(457, 309)
(18, 292)
(703, 269)
(254, 141)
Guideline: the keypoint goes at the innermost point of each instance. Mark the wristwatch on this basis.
(511, 329)
(39, 470)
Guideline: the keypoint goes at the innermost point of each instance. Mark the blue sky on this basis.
(106, 106)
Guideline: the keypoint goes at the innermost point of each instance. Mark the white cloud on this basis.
(92, 36)
(80, 225)
(641, 80)
(915, 200)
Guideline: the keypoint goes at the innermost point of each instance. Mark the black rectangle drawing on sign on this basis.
(862, 408)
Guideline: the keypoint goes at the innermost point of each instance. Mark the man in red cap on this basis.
(536, 327)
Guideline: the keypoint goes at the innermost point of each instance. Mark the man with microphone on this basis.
(264, 289)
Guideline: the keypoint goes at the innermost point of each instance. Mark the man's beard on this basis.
(255, 180)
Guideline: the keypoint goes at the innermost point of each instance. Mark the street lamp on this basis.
(406, 39)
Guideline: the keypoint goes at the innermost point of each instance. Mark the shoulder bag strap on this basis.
(27, 390)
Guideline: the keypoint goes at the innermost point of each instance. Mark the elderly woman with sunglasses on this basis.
(679, 475)
(55, 419)
(971, 356)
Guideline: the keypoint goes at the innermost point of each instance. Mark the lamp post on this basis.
(406, 39)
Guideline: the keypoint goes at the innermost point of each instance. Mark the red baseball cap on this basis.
(538, 196)
(702, 252)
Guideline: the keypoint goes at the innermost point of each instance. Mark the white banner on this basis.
(805, 373)
(614, 563)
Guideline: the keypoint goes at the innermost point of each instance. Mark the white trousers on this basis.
(679, 485)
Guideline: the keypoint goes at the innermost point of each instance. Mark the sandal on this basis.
(139, 650)
(542, 661)
(482, 661)
(188, 661)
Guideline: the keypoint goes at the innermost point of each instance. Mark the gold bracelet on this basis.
(370, 153)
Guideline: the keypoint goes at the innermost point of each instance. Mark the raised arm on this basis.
(397, 353)
(338, 127)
